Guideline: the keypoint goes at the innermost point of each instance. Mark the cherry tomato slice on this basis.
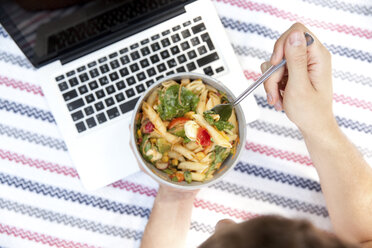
(176, 121)
(203, 137)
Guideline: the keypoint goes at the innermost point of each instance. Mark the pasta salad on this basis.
(178, 133)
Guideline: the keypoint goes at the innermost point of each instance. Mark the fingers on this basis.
(272, 86)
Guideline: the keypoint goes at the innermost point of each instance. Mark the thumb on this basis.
(296, 55)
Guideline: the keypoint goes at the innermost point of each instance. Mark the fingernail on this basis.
(309, 39)
(296, 39)
(265, 66)
(269, 98)
(278, 106)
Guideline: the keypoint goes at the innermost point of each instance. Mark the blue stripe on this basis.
(271, 198)
(278, 176)
(339, 5)
(26, 110)
(3, 33)
(76, 197)
(342, 122)
(272, 34)
(15, 60)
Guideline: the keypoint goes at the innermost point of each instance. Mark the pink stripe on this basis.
(40, 164)
(341, 28)
(352, 101)
(240, 214)
(41, 238)
(36, 90)
(277, 153)
(251, 75)
(135, 188)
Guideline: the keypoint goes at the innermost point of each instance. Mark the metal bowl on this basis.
(227, 165)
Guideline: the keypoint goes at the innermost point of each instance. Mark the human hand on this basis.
(304, 88)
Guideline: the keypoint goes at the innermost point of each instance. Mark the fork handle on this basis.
(259, 81)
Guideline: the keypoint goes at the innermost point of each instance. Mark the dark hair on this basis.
(274, 232)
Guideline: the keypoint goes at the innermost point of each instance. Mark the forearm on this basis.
(346, 181)
(169, 221)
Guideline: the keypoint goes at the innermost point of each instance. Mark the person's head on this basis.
(272, 232)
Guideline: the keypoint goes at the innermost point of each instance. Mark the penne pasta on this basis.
(184, 152)
(152, 98)
(193, 166)
(200, 108)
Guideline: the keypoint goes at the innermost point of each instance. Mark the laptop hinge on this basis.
(115, 35)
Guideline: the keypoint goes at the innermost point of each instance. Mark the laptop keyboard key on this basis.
(154, 59)
(103, 59)
(59, 78)
(89, 98)
(195, 41)
(124, 50)
(124, 72)
(145, 41)
(155, 47)
(114, 76)
(191, 66)
(120, 85)
(210, 45)
(104, 68)
(164, 54)
(75, 104)
(63, 86)
(134, 46)
(109, 102)
(100, 94)
(103, 81)
(140, 88)
(145, 51)
(207, 59)
(89, 110)
(73, 82)
(220, 69)
(175, 38)
(110, 89)
(83, 77)
(185, 24)
(114, 64)
(70, 95)
(131, 80)
(202, 50)
(120, 97)
(101, 118)
(181, 59)
(134, 67)
(130, 93)
(151, 72)
(181, 69)
(128, 106)
(93, 73)
(176, 28)
(144, 63)
(165, 42)
(155, 37)
(185, 45)
(112, 113)
(99, 106)
(93, 85)
(113, 55)
(161, 67)
(175, 50)
(141, 76)
(196, 19)
(169, 73)
(191, 54)
(83, 89)
(135, 55)
(150, 82)
(70, 73)
(171, 63)
(198, 28)
(80, 127)
(124, 60)
(77, 115)
(185, 33)
(166, 32)
(91, 64)
(91, 122)
(208, 70)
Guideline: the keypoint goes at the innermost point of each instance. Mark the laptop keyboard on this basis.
(104, 89)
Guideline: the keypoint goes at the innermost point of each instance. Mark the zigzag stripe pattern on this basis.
(342, 122)
(276, 129)
(76, 197)
(70, 220)
(251, 51)
(359, 79)
(40, 164)
(31, 137)
(15, 60)
(251, 75)
(201, 227)
(35, 89)
(278, 153)
(40, 238)
(352, 101)
(271, 198)
(269, 33)
(354, 125)
(278, 176)
(23, 109)
(240, 214)
(135, 188)
(258, 7)
(365, 151)
(3, 33)
(347, 7)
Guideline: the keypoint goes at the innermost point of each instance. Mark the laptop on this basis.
(96, 58)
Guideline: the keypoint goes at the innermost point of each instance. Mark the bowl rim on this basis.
(178, 76)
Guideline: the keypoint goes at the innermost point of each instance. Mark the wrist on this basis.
(166, 193)
(320, 130)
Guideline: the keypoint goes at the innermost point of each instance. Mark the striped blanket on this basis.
(43, 204)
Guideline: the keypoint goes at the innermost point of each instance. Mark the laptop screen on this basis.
(66, 29)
